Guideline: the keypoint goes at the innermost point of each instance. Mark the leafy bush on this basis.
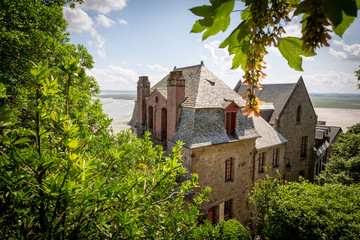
(305, 211)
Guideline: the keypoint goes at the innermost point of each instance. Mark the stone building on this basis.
(227, 150)
(289, 110)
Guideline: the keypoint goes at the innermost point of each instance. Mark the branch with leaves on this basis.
(262, 26)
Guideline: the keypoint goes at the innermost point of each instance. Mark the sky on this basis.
(132, 38)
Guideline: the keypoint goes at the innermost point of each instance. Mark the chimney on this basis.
(143, 90)
(175, 94)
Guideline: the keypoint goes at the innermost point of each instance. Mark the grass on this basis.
(126, 96)
(350, 101)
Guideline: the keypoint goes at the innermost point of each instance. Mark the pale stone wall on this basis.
(271, 171)
(209, 164)
(293, 132)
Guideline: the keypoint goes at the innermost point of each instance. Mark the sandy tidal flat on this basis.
(341, 117)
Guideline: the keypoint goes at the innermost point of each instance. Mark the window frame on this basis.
(231, 112)
(228, 170)
(298, 114)
(303, 149)
(228, 209)
(276, 152)
(261, 167)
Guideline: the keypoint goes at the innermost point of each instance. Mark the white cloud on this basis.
(123, 22)
(115, 77)
(103, 6)
(222, 63)
(331, 82)
(157, 67)
(104, 21)
(349, 52)
(293, 30)
(79, 21)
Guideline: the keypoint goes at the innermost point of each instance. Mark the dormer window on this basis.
(230, 119)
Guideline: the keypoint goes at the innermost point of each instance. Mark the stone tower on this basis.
(143, 90)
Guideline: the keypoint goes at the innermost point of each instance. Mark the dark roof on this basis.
(277, 94)
(203, 89)
(206, 126)
(269, 136)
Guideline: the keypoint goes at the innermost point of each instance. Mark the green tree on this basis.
(59, 180)
(262, 25)
(344, 164)
(63, 175)
(301, 210)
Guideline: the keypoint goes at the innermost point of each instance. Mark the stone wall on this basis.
(158, 102)
(270, 170)
(294, 131)
(209, 164)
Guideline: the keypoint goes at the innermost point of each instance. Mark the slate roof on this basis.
(203, 89)
(205, 127)
(277, 94)
(269, 136)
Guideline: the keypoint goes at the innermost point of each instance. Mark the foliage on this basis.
(262, 26)
(63, 175)
(344, 164)
(62, 180)
(301, 210)
(232, 230)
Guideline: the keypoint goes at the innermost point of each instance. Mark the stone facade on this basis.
(295, 132)
(227, 150)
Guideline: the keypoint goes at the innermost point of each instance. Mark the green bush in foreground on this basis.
(301, 210)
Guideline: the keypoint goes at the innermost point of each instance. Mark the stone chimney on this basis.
(175, 94)
(143, 90)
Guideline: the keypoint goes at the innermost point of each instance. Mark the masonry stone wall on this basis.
(209, 164)
(294, 131)
(270, 170)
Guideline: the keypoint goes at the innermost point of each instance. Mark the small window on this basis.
(228, 170)
(227, 210)
(261, 162)
(303, 146)
(276, 157)
(298, 114)
(230, 123)
(211, 215)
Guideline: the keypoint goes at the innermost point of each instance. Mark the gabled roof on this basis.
(269, 136)
(277, 94)
(203, 89)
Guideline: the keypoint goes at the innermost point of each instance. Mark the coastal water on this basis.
(117, 108)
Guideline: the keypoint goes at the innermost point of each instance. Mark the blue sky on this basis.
(131, 38)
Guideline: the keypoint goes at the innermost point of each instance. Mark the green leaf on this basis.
(346, 22)
(197, 27)
(202, 11)
(334, 10)
(291, 50)
(73, 143)
(21, 140)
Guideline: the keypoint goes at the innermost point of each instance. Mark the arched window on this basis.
(163, 123)
(298, 114)
(151, 118)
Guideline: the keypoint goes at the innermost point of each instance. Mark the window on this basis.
(302, 173)
(151, 118)
(211, 215)
(228, 170)
(298, 114)
(230, 123)
(227, 209)
(303, 146)
(230, 118)
(276, 157)
(261, 162)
